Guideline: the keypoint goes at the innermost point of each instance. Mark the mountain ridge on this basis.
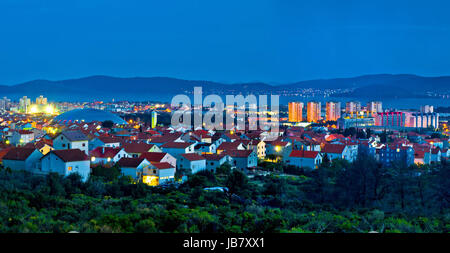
(374, 85)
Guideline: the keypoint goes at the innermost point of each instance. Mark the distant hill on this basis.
(103, 87)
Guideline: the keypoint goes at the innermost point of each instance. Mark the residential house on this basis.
(337, 151)
(65, 162)
(160, 157)
(242, 159)
(259, 147)
(104, 141)
(176, 149)
(105, 155)
(72, 139)
(391, 154)
(21, 137)
(436, 155)
(225, 146)
(3, 152)
(214, 160)
(43, 146)
(22, 159)
(133, 167)
(278, 148)
(136, 149)
(159, 174)
(193, 162)
(205, 148)
(304, 159)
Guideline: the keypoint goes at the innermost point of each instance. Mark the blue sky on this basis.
(228, 41)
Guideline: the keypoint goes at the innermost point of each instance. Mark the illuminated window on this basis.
(150, 180)
(70, 168)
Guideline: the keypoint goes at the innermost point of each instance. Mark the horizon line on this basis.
(222, 82)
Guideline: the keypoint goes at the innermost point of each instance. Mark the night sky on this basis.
(228, 41)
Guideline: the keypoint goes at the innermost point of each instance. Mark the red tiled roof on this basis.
(176, 145)
(334, 136)
(193, 157)
(24, 132)
(238, 153)
(165, 138)
(152, 132)
(213, 157)
(70, 155)
(201, 133)
(3, 152)
(162, 166)
(229, 145)
(107, 139)
(304, 154)
(130, 162)
(419, 154)
(104, 152)
(153, 156)
(19, 154)
(231, 136)
(333, 148)
(137, 147)
(278, 143)
(143, 136)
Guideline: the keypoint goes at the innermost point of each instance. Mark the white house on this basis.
(159, 157)
(226, 146)
(73, 139)
(104, 141)
(136, 149)
(192, 162)
(65, 162)
(304, 159)
(214, 160)
(243, 159)
(259, 147)
(176, 149)
(278, 148)
(104, 155)
(436, 155)
(445, 153)
(133, 167)
(159, 174)
(22, 159)
(337, 151)
(205, 148)
(21, 137)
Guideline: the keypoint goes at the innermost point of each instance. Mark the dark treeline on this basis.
(338, 197)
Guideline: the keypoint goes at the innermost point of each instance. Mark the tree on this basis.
(108, 174)
(107, 124)
(224, 169)
(236, 181)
